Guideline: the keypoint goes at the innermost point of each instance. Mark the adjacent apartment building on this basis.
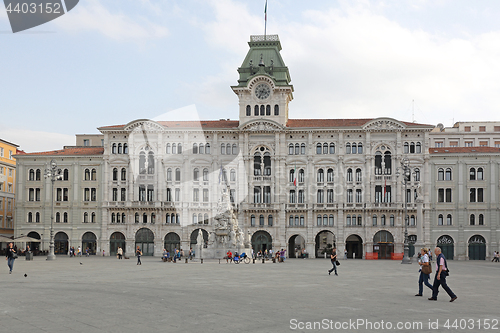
(7, 187)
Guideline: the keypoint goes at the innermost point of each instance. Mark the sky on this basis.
(108, 62)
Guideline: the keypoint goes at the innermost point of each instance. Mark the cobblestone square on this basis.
(110, 295)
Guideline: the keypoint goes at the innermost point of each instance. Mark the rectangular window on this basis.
(267, 194)
(151, 193)
(115, 194)
(438, 144)
(482, 128)
(496, 128)
(358, 196)
(142, 193)
(205, 195)
(441, 195)
(483, 143)
(468, 144)
(86, 142)
(472, 195)
(93, 194)
(257, 198)
(378, 193)
(497, 144)
(123, 194)
(232, 195)
(349, 195)
(177, 194)
(448, 195)
(467, 128)
(321, 197)
(10, 154)
(480, 195)
(1, 152)
(196, 195)
(37, 194)
(453, 143)
(86, 194)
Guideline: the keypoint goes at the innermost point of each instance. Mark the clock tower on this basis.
(264, 88)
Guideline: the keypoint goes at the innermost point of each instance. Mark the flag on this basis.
(295, 176)
(265, 11)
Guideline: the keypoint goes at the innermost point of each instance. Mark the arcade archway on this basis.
(34, 246)
(261, 241)
(89, 240)
(477, 248)
(116, 240)
(354, 247)
(194, 236)
(144, 238)
(172, 241)
(324, 243)
(296, 244)
(383, 244)
(447, 245)
(61, 243)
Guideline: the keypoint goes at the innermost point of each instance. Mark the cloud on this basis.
(34, 141)
(91, 15)
(353, 62)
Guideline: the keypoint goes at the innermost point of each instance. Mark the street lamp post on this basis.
(406, 172)
(53, 174)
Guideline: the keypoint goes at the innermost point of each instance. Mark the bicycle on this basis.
(243, 258)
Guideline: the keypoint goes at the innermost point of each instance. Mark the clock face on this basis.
(262, 91)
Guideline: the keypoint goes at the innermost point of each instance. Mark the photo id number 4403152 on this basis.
(26, 7)
(471, 324)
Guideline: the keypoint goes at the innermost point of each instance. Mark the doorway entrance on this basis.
(447, 246)
(89, 240)
(477, 248)
(61, 243)
(144, 238)
(383, 244)
(261, 241)
(172, 242)
(194, 236)
(116, 240)
(34, 246)
(354, 247)
(324, 243)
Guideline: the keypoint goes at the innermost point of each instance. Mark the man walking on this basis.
(333, 258)
(440, 278)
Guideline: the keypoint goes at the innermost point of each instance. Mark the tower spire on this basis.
(265, 20)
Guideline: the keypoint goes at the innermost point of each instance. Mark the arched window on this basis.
(177, 175)
(290, 221)
(268, 110)
(256, 165)
(329, 175)
(349, 175)
(440, 219)
(406, 148)
(124, 174)
(235, 149)
(144, 218)
(205, 219)
(319, 220)
(65, 217)
(256, 110)
(301, 176)
(318, 148)
(196, 174)
(169, 175)
(249, 110)
(252, 220)
(440, 174)
(292, 175)
(261, 220)
(195, 219)
(481, 219)
(388, 163)
(267, 164)
(202, 148)
(205, 175)
(479, 173)
(85, 217)
(325, 220)
(125, 148)
(292, 196)
(270, 220)
(448, 174)
(417, 174)
(297, 149)
(113, 148)
(174, 148)
(262, 110)
(449, 220)
(38, 174)
(472, 174)
(94, 174)
(301, 196)
(118, 219)
(418, 148)
(66, 174)
(179, 148)
(360, 148)
(382, 220)
(332, 148)
(31, 174)
(120, 150)
(330, 220)
(136, 218)
(87, 174)
(232, 175)
(320, 176)
(290, 149)
(303, 149)
(359, 175)
(37, 217)
(58, 217)
(325, 148)
(276, 110)
(472, 219)
(348, 220)
(412, 220)
(354, 148)
(391, 220)
(207, 148)
(115, 174)
(228, 149)
(320, 197)
(167, 150)
(374, 220)
(348, 148)
(222, 149)
(412, 148)
(195, 148)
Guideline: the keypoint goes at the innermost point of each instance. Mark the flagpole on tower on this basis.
(265, 21)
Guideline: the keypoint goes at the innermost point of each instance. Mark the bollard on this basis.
(202, 260)
(263, 261)
(186, 260)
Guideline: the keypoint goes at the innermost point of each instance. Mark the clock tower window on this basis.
(276, 110)
(262, 110)
(249, 110)
(268, 110)
(256, 110)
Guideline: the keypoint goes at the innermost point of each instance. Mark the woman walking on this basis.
(425, 271)
(10, 256)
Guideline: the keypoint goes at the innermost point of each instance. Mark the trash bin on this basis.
(29, 255)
